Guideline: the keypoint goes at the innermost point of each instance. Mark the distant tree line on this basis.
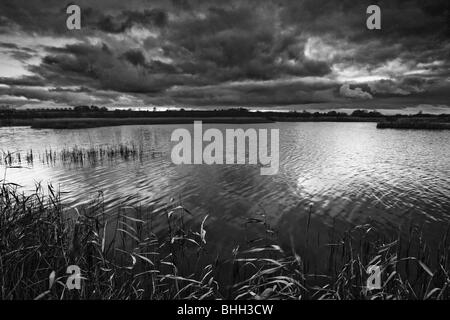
(93, 111)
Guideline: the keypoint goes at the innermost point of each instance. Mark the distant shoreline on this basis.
(84, 123)
(413, 124)
(92, 117)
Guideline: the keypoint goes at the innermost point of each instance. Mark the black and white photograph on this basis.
(234, 150)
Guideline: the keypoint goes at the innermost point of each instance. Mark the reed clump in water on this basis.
(12, 159)
(78, 155)
(131, 255)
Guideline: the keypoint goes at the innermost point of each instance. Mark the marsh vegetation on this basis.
(77, 155)
(123, 256)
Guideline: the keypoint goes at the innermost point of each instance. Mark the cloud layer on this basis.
(257, 53)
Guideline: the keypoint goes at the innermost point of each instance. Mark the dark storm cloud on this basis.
(35, 16)
(286, 92)
(228, 52)
(411, 29)
(58, 95)
(16, 51)
(128, 19)
(23, 81)
(135, 57)
(240, 43)
(343, 18)
(99, 67)
(403, 87)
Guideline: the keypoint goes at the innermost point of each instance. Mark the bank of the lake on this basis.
(430, 124)
(83, 123)
(90, 117)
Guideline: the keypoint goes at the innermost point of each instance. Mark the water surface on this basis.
(344, 174)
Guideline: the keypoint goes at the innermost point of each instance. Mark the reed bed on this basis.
(133, 255)
(77, 155)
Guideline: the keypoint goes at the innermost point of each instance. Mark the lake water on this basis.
(344, 174)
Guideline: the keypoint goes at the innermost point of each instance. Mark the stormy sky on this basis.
(274, 54)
